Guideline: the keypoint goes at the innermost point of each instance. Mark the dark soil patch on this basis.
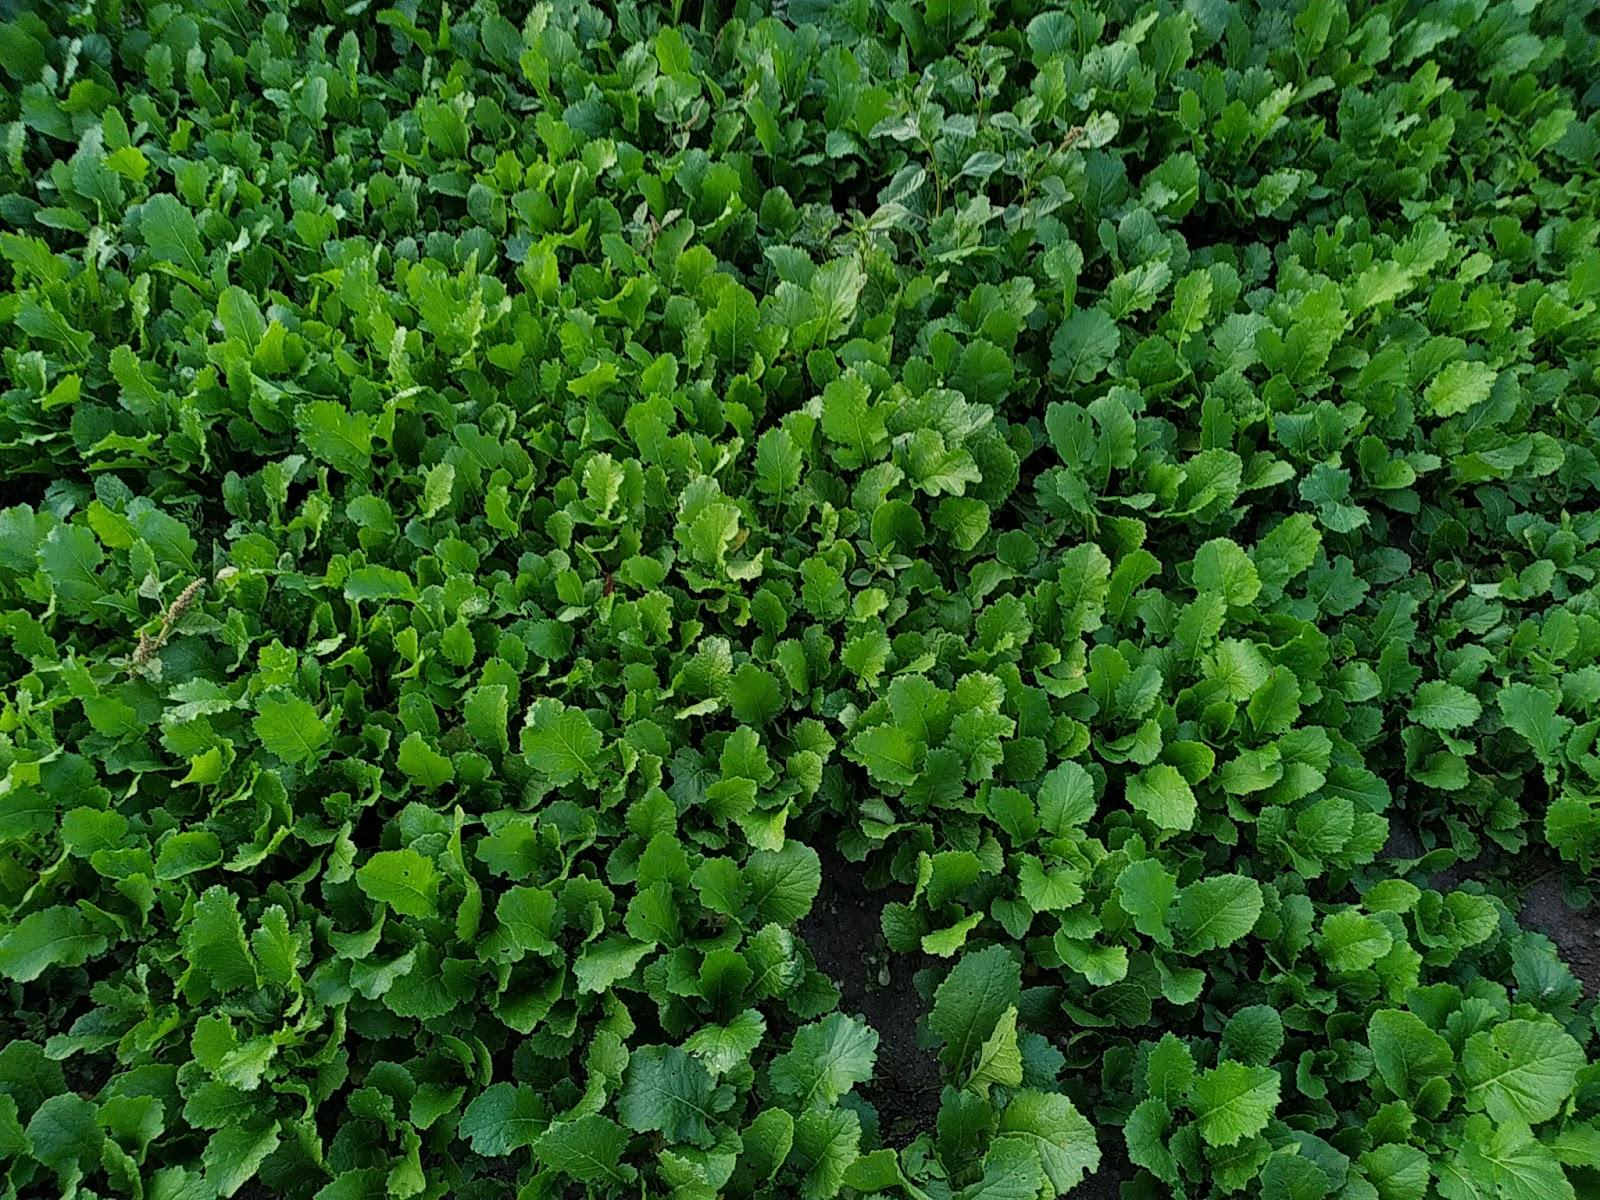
(1537, 888)
(846, 939)
(1441, 866)
(1574, 932)
(1115, 1170)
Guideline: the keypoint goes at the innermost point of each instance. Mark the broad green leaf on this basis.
(1215, 912)
(782, 883)
(71, 559)
(1047, 890)
(766, 1143)
(1101, 965)
(234, 1154)
(187, 853)
(1145, 1133)
(1397, 1172)
(1520, 1070)
(214, 942)
(289, 727)
(589, 1149)
(1011, 1171)
(1407, 1053)
(965, 520)
(999, 1059)
(1085, 581)
(1253, 1035)
(403, 879)
(561, 742)
(276, 948)
(825, 1061)
(724, 1047)
(55, 936)
(485, 713)
(1233, 1101)
(732, 325)
(1163, 796)
(779, 462)
(438, 485)
(852, 423)
(1062, 1138)
(1458, 387)
(1352, 941)
(374, 585)
(878, 1171)
(504, 1117)
(836, 287)
(425, 765)
(1440, 705)
(668, 1091)
(1223, 567)
(1169, 1070)
(1066, 798)
(1289, 1176)
(606, 962)
(889, 754)
(826, 1142)
(1084, 345)
(971, 1001)
(1531, 711)
(64, 1133)
(172, 234)
(1145, 890)
(337, 436)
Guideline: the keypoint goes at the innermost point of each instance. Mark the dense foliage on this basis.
(489, 493)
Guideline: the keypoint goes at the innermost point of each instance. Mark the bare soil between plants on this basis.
(1532, 887)
(845, 934)
(1576, 934)
(846, 938)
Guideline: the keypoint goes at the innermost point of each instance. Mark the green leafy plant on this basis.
(507, 513)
